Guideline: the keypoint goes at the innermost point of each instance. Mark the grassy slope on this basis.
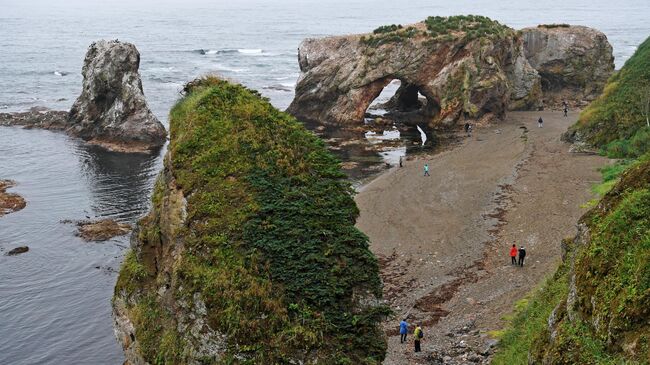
(269, 241)
(613, 281)
(616, 121)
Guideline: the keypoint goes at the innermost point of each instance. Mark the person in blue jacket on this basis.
(403, 330)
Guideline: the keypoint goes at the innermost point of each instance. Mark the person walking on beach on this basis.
(417, 335)
(403, 330)
(426, 169)
(522, 256)
(540, 122)
(566, 111)
(400, 161)
(513, 254)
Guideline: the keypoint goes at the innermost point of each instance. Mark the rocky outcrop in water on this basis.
(9, 202)
(111, 110)
(101, 230)
(36, 117)
(573, 61)
(17, 251)
(465, 67)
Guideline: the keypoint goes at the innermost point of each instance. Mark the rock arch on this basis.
(458, 75)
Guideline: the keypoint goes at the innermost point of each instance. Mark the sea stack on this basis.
(111, 110)
(573, 61)
(249, 254)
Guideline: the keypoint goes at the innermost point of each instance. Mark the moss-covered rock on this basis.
(617, 121)
(249, 254)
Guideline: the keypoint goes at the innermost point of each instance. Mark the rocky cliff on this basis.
(573, 61)
(603, 318)
(249, 254)
(618, 121)
(111, 110)
(465, 67)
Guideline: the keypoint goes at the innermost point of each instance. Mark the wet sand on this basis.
(443, 240)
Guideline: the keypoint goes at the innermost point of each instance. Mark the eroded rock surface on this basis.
(573, 61)
(111, 110)
(465, 67)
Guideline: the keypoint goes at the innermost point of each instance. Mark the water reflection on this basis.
(119, 184)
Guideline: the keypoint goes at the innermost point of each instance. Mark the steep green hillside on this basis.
(250, 254)
(616, 122)
(595, 309)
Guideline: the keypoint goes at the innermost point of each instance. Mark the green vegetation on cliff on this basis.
(617, 121)
(444, 28)
(267, 256)
(471, 26)
(595, 309)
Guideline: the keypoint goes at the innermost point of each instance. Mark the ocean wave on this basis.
(158, 69)
(60, 73)
(221, 67)
(288, 87)
(246, 51)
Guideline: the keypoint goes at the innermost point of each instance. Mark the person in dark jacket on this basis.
(522, 255)
(540, 121)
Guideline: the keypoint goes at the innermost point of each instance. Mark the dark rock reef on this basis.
(111, 110)
(17, 251)
(249, 254)
(37, 118)
(573, 61)
(465, 67)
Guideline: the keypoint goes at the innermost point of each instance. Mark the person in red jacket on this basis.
(513, 254)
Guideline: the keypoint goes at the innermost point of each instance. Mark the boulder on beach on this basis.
(111, 110)
(463, 66)
(573, 61)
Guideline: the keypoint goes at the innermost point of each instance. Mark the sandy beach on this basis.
(443, 240)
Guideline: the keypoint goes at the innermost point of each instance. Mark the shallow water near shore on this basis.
(54, 301)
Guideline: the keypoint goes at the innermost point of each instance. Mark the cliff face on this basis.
(465, 66)
(249, 254)
(112, 110)
(604, 316)
(573, 61)
(618, 121)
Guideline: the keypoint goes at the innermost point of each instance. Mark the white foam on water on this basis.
(390, 135)
(249, 51)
